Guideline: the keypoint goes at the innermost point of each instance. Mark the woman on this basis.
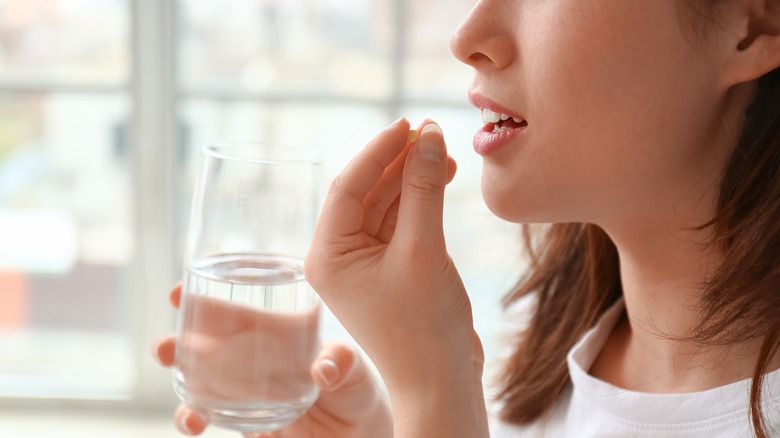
(648, 132)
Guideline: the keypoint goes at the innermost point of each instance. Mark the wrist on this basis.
(453, 409)
(380, 421)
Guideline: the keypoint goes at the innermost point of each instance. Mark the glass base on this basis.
(248, 416)
(257, 420)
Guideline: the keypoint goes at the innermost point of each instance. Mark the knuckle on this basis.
(335, 185)
(424, 188)
(374, 205)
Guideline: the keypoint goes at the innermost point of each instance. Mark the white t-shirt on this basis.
(594, 408)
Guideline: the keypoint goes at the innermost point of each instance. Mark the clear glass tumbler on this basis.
(248, 324)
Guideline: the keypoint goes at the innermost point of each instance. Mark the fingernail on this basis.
(394, 124)
(185, 427)
(192, 424)
(429, 147)
(328, 371)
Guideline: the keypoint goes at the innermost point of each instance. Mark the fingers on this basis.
(188, 422)
(175, 296)
(164, 350)
(348, 390)
(387, 191)
(384, 194)
(334, 367)
(343, 212)
(452, 168)
(385, 232)
(422, 194)
(381, 204)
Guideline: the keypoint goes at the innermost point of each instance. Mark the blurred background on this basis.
(104, 105)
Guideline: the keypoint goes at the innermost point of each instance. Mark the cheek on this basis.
(610, 65)
(614, 112)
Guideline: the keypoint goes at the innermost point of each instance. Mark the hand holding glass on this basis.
(248, 325)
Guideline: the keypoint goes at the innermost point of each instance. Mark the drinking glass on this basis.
(248, 324)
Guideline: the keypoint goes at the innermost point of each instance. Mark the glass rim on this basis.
(243, 151)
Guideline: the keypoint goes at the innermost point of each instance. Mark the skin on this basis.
(402, 279)
(631, 116)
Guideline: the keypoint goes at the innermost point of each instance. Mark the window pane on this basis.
(65, 224)
(287, 46)
(430, 69)
(337, 130)
(64, 41)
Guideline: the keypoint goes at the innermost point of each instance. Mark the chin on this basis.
(510, 208)
(508, 198)
(523, 207)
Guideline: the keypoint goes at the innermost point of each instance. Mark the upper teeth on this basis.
(492, 117)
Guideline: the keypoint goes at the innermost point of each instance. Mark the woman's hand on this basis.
(379, 261)
(350, 403)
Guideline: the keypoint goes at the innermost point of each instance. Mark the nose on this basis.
(484, 39)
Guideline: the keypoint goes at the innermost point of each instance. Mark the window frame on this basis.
(155, 94)
(150, 92)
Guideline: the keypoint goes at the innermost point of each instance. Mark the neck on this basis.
(662, 274)
(665, 262)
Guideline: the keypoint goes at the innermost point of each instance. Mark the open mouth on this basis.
(498, 122)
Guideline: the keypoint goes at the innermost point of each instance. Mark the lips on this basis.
(501, 124)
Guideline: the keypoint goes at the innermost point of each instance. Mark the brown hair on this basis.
(574, 275)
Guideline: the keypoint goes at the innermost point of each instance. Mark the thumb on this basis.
(422, 192)
(349, 391)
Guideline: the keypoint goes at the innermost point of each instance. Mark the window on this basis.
(104, 105)
(66, 231)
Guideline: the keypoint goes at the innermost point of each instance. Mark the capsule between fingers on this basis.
(412, 136)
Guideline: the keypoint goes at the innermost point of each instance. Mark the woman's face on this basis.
(617, 107)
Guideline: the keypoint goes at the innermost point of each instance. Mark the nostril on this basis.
(495, 50)
(478, 58)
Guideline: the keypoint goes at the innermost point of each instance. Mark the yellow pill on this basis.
(413, 136)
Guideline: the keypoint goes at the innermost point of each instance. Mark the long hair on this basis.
(574, 275)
